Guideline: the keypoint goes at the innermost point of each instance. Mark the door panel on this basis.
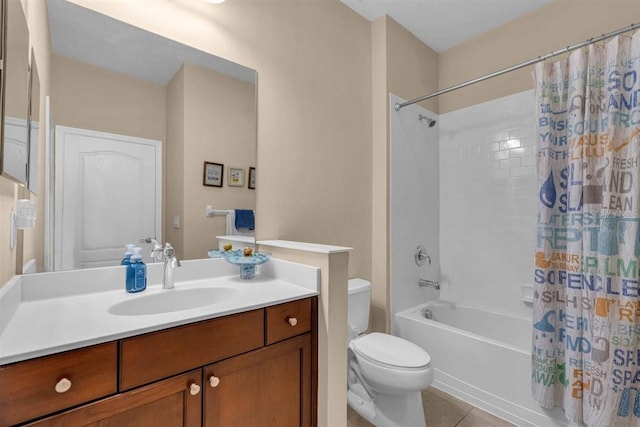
(269, 387)
(108, 194)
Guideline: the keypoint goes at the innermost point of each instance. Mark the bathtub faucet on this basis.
(423, 283)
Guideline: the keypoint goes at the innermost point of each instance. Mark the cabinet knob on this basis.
(63, 385)
(194, 389)
(214, 381)
(292, 321)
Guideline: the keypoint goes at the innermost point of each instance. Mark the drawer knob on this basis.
(194, 389)
(292, 321)
(214, 381)
(63, 385)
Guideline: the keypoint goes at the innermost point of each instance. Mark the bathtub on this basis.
(481, 357)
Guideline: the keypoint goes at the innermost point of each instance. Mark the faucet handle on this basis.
(169, 255)
(168, 250)
(421, 255)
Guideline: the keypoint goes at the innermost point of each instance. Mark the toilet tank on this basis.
(359, 301)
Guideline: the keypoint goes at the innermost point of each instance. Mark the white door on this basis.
(108, 194)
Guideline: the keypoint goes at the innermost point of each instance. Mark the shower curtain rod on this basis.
(631, 27)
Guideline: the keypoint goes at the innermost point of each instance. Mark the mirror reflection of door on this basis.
(108, 191)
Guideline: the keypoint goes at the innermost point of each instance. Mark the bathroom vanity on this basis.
(253, 367)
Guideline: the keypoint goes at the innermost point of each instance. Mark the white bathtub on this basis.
(481, 357)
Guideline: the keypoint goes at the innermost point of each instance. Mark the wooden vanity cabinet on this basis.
(263, 388)
(37, 387)
(257, 368)
(176, 401)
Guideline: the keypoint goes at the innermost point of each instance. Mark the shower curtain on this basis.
(586, 335)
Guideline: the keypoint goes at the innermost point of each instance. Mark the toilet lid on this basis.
(391, 350)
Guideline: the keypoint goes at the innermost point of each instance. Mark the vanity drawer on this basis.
(40, 386)
(288, 320)
(154, 356)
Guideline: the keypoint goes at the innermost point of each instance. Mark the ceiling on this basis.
(90, 37)
(442, 24)
(87, 36)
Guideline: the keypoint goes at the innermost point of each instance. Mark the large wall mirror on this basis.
(14, 151)
(136, 117)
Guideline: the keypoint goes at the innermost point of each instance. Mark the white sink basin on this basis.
(169, 300)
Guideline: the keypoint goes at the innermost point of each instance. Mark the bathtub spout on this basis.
(423, 283)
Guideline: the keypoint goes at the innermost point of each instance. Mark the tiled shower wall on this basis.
(488, 202)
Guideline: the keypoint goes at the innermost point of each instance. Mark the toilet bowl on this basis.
(392, 365)
(386, 373)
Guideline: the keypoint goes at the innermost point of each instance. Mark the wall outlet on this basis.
(176, 221)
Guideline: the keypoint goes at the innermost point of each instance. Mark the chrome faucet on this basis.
(157, 251)
(170, 262)
(424, 283)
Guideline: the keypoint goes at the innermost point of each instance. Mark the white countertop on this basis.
(46, 319)
(302, 246)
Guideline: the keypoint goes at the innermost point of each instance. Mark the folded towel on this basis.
(244, 219)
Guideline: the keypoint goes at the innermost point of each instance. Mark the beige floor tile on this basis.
(472, 420)
(443, 411)
(355, 420)
(466, 407)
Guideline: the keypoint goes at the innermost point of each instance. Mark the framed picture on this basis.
(236, 177)
(212, 175)
(252, 178)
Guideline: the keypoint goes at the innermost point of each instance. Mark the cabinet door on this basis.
(268, 387)
(173, 402)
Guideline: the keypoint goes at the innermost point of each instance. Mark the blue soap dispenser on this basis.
(127, 254)
(136, 272)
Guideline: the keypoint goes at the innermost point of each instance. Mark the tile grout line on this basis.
(463, 417)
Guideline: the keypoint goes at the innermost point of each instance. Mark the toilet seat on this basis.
(391, 351)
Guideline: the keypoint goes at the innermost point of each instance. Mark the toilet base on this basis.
(363, 406)
(403, 410)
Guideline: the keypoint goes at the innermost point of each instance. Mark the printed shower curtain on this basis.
(586, 336)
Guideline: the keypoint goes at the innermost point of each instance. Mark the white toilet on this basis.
(386, 373)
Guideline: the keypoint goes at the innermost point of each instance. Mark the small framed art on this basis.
(212, 175)
(252, 178)
(236, 177)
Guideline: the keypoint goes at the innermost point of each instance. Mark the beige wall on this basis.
(560, 23)
(174, 161)
(314, 107)
(89, 97)
(405, 66)
(220, 127)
